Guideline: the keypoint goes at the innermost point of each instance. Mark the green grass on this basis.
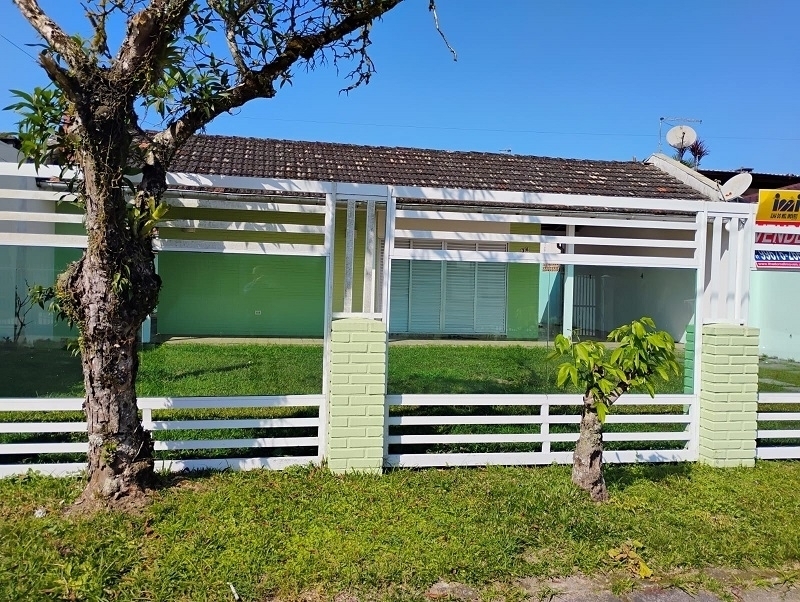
(390, 537)
(203, 370)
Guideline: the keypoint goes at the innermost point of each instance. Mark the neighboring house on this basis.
(772, 292)
(761, 181)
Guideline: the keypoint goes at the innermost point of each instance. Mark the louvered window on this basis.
(450, 297)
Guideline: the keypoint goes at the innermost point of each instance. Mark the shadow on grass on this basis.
(621, 476)
(206, 371)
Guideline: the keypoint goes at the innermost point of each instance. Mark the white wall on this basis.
(774, 296)
(625, 294)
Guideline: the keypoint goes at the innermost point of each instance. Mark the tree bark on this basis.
(108, 293)
(587, 461)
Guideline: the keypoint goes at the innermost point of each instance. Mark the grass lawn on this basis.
(201, 369)
(305, 534)
(197, 370)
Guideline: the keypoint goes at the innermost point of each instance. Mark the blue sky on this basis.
(567, 78)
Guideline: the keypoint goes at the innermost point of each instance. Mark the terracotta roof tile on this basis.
(268, 158)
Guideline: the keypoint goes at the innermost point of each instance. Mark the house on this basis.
(428, 298)
(243, 293)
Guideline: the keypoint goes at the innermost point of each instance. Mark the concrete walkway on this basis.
(400, 342)
(583, 589)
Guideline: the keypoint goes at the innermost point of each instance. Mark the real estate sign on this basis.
(778, 208)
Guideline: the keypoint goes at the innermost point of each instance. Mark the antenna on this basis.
(673, 121)
(733, 188)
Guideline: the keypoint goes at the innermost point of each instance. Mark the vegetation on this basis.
(308, 535)
(190, 369)
(183, 62)
(643, 355)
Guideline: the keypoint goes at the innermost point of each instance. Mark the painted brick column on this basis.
(728, 395)
(688, 361)
(356, 395)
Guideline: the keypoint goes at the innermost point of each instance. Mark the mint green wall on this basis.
(219, 294)
(296, 283)
(522, 317)
(772, 301)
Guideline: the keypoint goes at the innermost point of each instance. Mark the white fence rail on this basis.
(440, 430)
(17, 429)
(779, 428)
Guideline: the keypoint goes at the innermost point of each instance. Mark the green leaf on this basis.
(602, 411)
(563, 375)
(573, 374)
(648, 322)
(582, 352)
(617, 353)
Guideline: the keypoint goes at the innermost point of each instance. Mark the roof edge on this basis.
(686, 175)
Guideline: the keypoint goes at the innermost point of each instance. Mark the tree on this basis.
(643, 355)
(698, 149)
(186, 61)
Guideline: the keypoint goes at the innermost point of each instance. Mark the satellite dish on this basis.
(734, 187)
(681, 136)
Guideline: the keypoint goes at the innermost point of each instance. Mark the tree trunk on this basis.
(108, 293)
(587, 461)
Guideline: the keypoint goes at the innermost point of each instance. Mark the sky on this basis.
(584, 79)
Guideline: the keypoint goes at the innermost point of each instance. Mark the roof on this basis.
(325, 161)
(760, 180)
(753, 198)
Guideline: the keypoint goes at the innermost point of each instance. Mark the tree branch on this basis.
(230, 20)
(149, 33)
(55, 37)
(260, 83)
(432, 9)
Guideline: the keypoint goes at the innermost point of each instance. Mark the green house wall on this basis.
(241, 295)
(523, 289)
(219, 294)
(236, 295)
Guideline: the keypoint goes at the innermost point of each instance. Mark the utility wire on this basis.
(497, 130)
(18, 47)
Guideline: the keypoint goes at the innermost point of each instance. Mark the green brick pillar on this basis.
(357, 394)
(728, 395)
(688, 361)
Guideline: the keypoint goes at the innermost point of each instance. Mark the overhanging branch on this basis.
(150, 31)
(260, 83)
(55, 37)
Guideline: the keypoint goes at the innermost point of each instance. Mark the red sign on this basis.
(775, 238)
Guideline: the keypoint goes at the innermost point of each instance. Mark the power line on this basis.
(497, 130)
(18, 47)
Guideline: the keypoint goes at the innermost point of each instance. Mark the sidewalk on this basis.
(584, 589)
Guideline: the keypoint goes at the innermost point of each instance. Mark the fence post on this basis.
(728, 395)
(356, 395)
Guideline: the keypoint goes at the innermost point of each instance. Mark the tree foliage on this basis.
(642, 355)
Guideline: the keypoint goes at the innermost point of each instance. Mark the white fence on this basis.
(222, 436)
(778, 426)
(456, 430)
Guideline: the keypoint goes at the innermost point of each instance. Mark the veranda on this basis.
(356, 426)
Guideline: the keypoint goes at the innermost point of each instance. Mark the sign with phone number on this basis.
(778, 259)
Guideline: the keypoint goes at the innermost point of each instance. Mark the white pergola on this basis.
(716, 239)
